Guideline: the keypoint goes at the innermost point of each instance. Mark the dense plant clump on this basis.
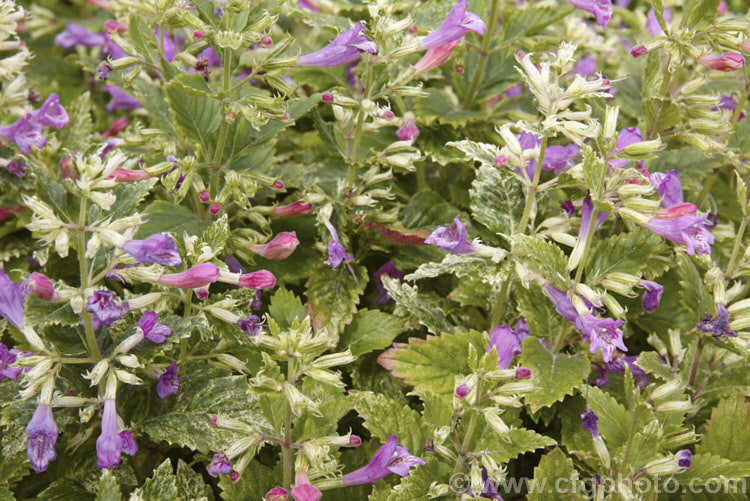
(374, 249)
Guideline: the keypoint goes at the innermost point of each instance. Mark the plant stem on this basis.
(736, 248)
(738, 110)
(706, 187)
(214, 183)
(358, 129)
(629, 446)
(421, 179)
(587, 246)
(497, 314)
(286, 447)
(532, 189)
(467, 437)
(696, 361)
(482, 56)
(88, 325)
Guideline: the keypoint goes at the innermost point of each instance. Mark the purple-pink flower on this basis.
(586, 66)
(152, 329)
(261, 279)
(158, 248)
(625, 137)
(12, 300)
(280, 247)
(451, 238)
(587, 210)
(652, 295)
(41, 433)
(25, 133)
(730, 61)
(7, 358)
(718, 326)
(390, 458)
(303, 489)
(689, 230)
(604, 334)
(342, 50)
(51, 113)
(168, 383)
(435, 57)
(601, 9)
(507, 342)
(456, 24)
(652, 24)
(669, 187)
(199, 275)
(589, 422)
(41, 287)
(109, 443)
(407, 132)
(251, 324)
(684, 458)
(336, 252)
(103, 305)
(129, 445)
(74, 34)
(121, 100)
(219, 465)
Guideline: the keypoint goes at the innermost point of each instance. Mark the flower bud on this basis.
(41, 287)
(730, 61)
(638, 51)
(280, 247)
(215, 208)
(523, 373)
(261, 279)
(204, 196)
(461, 391)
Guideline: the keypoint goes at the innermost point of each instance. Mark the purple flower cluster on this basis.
(103, 306)
(390, 458)
(451, 238)
(158, 248)
(29, 131)
(153, 330)
(507, 342)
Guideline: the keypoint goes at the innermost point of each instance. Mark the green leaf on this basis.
(614, 420)
(703, 15)
(444, 108)
(515, 442)
(183, 419)
(539, 312)
(594, 170)
(216, 235)
(164, 216)
(108, 488)
(42, 313)
(708, 468)
(384, 417)
(190, 484)
(197, 117)
(479, 152)
(333, 295)
(555, 375)
(628, 252)
(433, 363)
(192, 84)
(129, 195)
(143, 37)
(530, 21)
(417, 484)
(496, 200)
(555, 465)
(370, 330)
(546, 257)
(426, 309)
(693, 296)
(154, 100)
(163, 485)
(285, 307)
(650, 361)
(728, 431)
(462, 265)
(77, 136)
(54, 195)
(661, 114)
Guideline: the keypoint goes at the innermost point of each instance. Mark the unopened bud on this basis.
(638, 51)
(500, 161)
(327, 97)
(523, 373)
(204, 196)
(215, 208)
(462, 391)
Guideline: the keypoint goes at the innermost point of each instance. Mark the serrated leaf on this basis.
(370, 330)
(163, 485)
(628, 252)
(708, 468)
(614, 420)
(333, 295)
(527, 22)
(129, 195)
(479, 152)
(546, 257)
(77, 136)
(384, 417)
(650, 361)
(661, 114)
(197, 117)
(285, 307)
(555, 465)
(515, 442)
(462, 265)
(190, 485)
(445, 110)
(433, 363)
(192, 84)
(496, 200)
(54, 195)
(693, 296)
(594, 170)
(544, 322)
(555, 375)
(728, 431)
(426, 309)
(164, 216)
(216, 234)
(702, 15)
(42, 313)
(183, 419)
(417, 484)
(154, 100)
(108, 488)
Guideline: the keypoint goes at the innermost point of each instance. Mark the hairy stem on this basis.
(88, 325)
(467, 437)
(286, 447)
(497, 314)
(483, 54)
(736, 248)
(214, 183)
(696, 361)
(358, 129)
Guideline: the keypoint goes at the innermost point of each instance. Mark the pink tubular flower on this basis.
(104, 4)
(507, 342)
(303, 489)
(117, 126)
(408, 131)
(8, 211)
(435, 57)
(456, 24)
(689, 230)
(260, 279)
(296, 209)
(198, 276)
(601, 9)
(638, 51)
(41, 287)
(281, 247)
(277, 494)
(111, 26)
(390, 458)
(730, 61)
(128, 175)
(342, 50)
